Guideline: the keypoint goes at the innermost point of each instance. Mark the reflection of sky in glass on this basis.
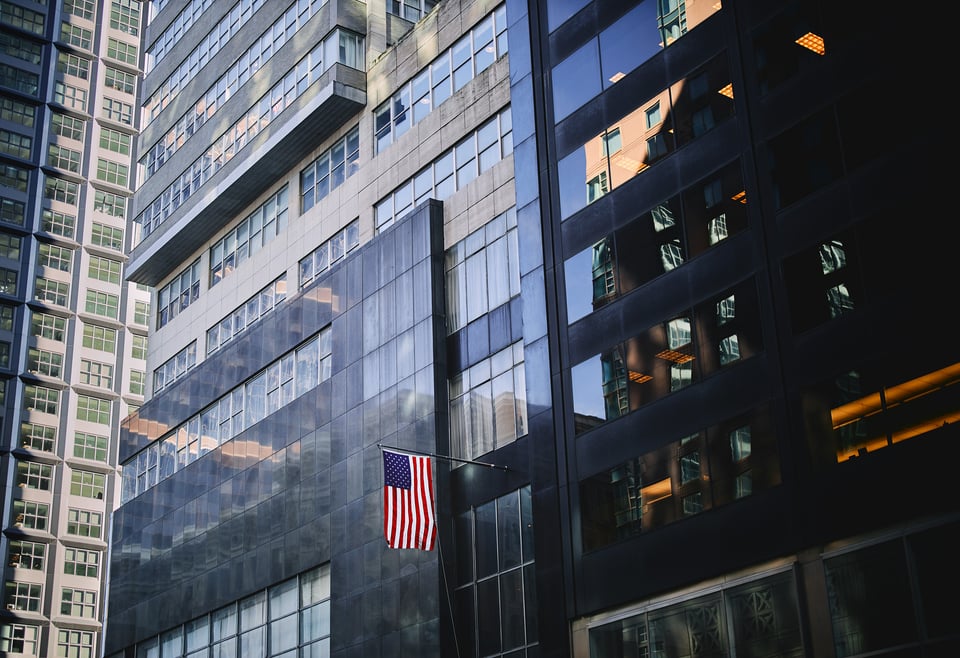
(588, 388)
(558, 11)
(576, 80)
(629, 42)
(578, 272)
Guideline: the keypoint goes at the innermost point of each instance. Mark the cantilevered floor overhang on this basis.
(341, 94)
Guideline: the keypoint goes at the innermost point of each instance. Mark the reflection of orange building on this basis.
(628, 147)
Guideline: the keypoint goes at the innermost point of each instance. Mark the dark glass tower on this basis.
(677, 267)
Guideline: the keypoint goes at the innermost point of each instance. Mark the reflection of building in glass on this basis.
(425, 226)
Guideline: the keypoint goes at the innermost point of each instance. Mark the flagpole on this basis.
(448, 458)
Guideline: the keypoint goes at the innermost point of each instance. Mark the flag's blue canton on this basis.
(396, 470)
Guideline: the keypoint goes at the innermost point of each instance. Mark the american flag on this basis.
(408, 517)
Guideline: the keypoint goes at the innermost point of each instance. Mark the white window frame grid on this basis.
(76, 602)
(109, 237)
(44, 362)
(34, 475)
(59, 189)
(42, 399)
(30, 555)
(92, 409)
(84, 562)
(52, 327)
(73, 65)
(35, 436)
(106, 269)
(64, 158)
(87, 484)
(100, 338)
(30, 514)
(76, 35)
(110, 204)
(50, 291)
(16, 144)
(58, 223)
(55, 257)
(96, 373)
(330, 170)
(93, 447)
(101, 303)
(84, 523)
(20, 638)
(69, 96)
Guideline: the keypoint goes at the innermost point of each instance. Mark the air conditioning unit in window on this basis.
(11, 606)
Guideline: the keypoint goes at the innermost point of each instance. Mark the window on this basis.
(54, 257)
(40, 398)
(48, 326)
(14, 177)
(329, 253)
(327, 172)
(43, 362)
(118, 111)
(107, 236)
(79, 8)
(488, 404)
(21, 17)
(67, 126)
(11, 211)
(104, 269)
(22, 49)
(121, 51)
(138, 382)
(84, 523)
(244, 240)
(75, 643)
(9, 246)
(100, 338)
(58, 223)
(482, 271)
(120, 80)
(139, 347)
(495, 595)
(247, 313)
(73, 65)
(38, 437)
(78, 603)
(110, 204)
(19, 638)
(112, 172)
(28, 514)
(64, 158)
(93, 410)
(141, 312)
(97, 374)
(17, 111)
(70, 96)
(125, 16)
(34, 475)
(58, 189)
(76, 35)
(86, 484)
(178, 294)
(27, 554)
(101, 303)
(90, 446)
(175, 367)
(114, 140)
(23, 596)
(81, 562)
(8, 281)
(15, 144)
(451, 171)
(6, 317)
